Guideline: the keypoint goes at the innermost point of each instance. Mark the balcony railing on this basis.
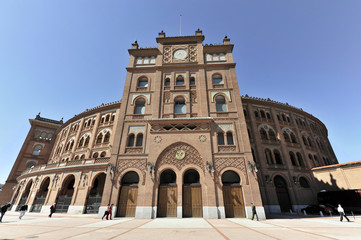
(80, 162)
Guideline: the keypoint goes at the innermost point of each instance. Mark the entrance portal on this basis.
(66, 195)
(192, 194)
(282, 194)
(41, 195)
(167, 196)
(232, 195)
(95, 195)
(25, 196)
(128, 195)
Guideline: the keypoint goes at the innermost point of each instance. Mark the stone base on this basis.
(221, 212)
(260, 213)
(143, 212)
(45, 209)
(75, 209)
(272, 208)
(210, 212)
(179, 212)
(13, 208)
(102, 211)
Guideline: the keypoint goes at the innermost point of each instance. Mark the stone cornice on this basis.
(180, 39)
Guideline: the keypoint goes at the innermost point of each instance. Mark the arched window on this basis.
(76, 157)
(269, 158)
(30, 165)
(263, 115)
(99, 138)
(230, 138)
(139, 142)
(143, 82)
(256, 114)
(304, 183)
(277, 155)
(103, 154)
(107, 137)
(139, 106)
(220, 138)
(286, 137)
(131, 140)
(245, 112)
(304, 140)
(268, 115)
(37, 150)
(288, 119)
(167, 82)
(311, 159)
(81, 142)
(179, 105)
(179, 81)
(300, 159)
(95, 155)
(217, 79)
(192, 80)
(86, 143)
(263, 134)
(82, 156)
(309, 141)
(107, 118)
(283, 117)
(67, 146)
(316, 160)
(293, 138)
(272, 135)
(221, 105)
(293, 158)
(278, 117)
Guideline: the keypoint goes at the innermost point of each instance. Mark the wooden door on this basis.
(128, 201)
(233, 202)
(167, 201)
(283, 199)
(192, 201)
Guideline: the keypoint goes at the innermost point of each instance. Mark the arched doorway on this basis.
(282, 194)
(41, 195)
(66, 194)
(25, 195)
(128, 195)
(232, 195)
(95, 195)
(192, 194)
(167, 195)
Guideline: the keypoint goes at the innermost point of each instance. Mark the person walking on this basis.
(254, 212)
(23, 210)
(342, 213)
(106, 213)
(52, 209)
(3, 210)
(110, 211)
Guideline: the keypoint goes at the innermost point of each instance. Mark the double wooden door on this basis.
(192, 201)
(233, 202)
(283, 199)
(167, 201)
(128, 201)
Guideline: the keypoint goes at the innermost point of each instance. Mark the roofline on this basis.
(337, 165)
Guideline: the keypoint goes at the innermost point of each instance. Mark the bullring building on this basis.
(181, 142)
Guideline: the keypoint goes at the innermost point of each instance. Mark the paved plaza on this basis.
(62, 226)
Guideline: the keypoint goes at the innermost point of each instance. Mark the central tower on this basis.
(181, 147)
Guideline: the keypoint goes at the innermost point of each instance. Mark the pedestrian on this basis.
(3, 210)
(52, 209)
(342, 213)
(110, 211)
(254, 212)
(106, 213)
(23, 210)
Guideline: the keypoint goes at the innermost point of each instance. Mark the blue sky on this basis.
(62, 57)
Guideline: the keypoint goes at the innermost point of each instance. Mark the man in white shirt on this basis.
(342, 213)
